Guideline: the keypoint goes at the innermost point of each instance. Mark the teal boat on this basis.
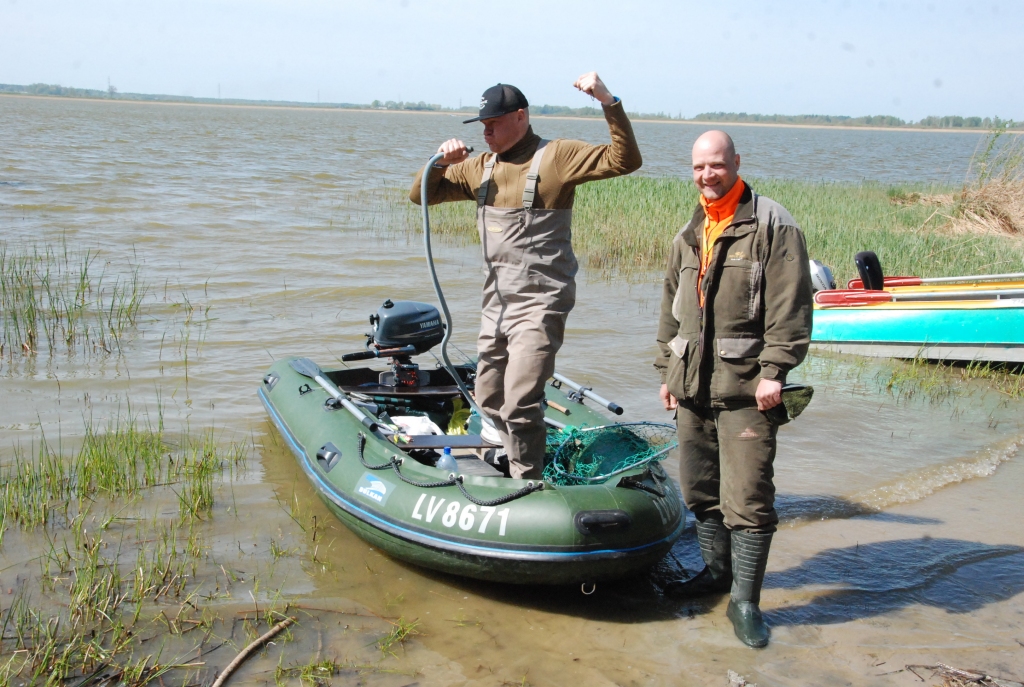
(345, 426)
(974, 318)
(990, 330)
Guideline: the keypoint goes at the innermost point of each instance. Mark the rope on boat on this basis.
(528, 489)
(454, 480)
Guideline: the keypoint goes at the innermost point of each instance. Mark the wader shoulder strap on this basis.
(485, 180)
(530, 190)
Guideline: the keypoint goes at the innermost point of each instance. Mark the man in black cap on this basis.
(524, 193)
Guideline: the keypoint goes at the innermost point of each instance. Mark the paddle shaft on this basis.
(891, 282)
(614, 407)
(338, 395)
(984, 277)
(959, 295)
(859, 297)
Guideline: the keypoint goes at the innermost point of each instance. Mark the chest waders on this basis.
(529, 289)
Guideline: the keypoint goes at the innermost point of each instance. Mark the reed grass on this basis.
(623, 227)
(116, 461)
(51, 297)
(107, 574)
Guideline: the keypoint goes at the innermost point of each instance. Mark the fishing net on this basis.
(592, 455)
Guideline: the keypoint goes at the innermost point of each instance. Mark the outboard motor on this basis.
(821, 277)
(401, 329)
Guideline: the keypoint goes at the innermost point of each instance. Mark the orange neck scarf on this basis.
(718, 216)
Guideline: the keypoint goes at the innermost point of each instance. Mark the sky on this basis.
(908, 59)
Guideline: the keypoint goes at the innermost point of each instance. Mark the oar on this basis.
(307, 368)
(918, 281)
(860, 297)
(587, 392)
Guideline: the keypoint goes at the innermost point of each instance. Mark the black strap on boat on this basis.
(528, 489)
(395, 464)
(637, 481)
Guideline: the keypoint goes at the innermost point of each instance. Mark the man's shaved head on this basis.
(715, 140)
(715, 164)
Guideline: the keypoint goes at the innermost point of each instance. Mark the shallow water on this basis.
(253, 231)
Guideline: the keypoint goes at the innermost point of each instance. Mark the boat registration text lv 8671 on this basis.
(465, 519)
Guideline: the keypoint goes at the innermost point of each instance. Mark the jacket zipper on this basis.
(700, 307)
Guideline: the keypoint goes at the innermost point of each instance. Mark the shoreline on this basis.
(687, 122)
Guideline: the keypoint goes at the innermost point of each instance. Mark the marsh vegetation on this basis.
(134, 570)
(53, 297)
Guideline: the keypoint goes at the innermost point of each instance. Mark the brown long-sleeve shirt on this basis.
(566, 165)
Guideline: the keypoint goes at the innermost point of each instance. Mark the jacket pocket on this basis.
(685, 304)
(737, 369)
(675, 378)
(733, 296)
(733, 349)
(754, 305)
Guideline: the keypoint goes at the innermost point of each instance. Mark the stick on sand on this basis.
(240, 658)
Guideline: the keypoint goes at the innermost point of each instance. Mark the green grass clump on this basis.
(107, 568)
(118, 461)
(401, 630)
(625, 226)
(52, 297)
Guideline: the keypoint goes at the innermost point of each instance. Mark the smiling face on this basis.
(716, 166)
(501, 133)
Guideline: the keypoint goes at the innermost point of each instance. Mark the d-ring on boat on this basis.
(372, 442)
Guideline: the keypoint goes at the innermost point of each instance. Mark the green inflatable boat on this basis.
(373, 443)
(400, 458)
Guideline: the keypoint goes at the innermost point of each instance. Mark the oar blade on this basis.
(305, 367)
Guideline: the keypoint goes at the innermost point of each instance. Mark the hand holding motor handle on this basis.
(591, 84)
(455, 151)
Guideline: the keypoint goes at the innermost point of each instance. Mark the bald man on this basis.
(735, 319)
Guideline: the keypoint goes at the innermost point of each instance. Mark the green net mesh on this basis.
(592, 455)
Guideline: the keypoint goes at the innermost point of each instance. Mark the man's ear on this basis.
(737, 160)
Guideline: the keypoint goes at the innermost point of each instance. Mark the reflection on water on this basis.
(250, 228)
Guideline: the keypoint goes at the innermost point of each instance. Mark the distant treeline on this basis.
(402, 105)
(933, 122)
(113, 94)
(948, 122)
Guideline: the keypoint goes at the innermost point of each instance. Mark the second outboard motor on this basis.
(821, 277)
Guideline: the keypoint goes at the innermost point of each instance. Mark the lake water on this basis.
(254, 229)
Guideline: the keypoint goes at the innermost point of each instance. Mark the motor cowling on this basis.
(821, 277)
(407, 323)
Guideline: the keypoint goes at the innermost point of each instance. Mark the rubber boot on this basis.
(749, 560)
(716, 577)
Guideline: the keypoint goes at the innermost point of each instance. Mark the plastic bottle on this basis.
(447, 461)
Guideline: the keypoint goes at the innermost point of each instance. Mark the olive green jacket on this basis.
(756, 323)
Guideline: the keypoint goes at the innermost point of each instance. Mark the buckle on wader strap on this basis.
(530, 190)
(485, 181)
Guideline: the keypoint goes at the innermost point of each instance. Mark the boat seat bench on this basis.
(439, 441)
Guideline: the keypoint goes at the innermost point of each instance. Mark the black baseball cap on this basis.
(499, 100)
